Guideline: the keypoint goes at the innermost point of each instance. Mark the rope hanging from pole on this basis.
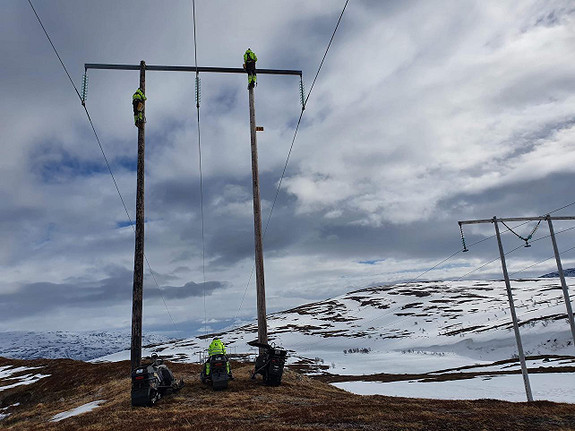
(526, 239)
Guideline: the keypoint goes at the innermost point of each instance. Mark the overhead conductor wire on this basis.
(200, 168)
(103, 154)
(291, 148)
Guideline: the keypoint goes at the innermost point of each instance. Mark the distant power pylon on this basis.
(549, 219)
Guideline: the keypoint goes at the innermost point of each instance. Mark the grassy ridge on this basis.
(300, 403)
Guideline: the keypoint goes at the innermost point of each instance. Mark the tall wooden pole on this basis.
(259, 255)
(138, 288)
(513, 314)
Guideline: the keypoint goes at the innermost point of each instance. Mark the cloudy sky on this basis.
(424, 113)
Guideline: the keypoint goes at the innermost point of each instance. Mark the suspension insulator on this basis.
(198, 91)
(465, 249)
(84, 88)
(301, 94)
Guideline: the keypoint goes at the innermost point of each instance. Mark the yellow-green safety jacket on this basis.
(216, 348)
(250, 56)
(139, 96)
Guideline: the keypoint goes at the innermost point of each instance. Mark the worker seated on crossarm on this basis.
(250, 59)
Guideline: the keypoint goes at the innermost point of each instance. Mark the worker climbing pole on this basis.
(138, 100)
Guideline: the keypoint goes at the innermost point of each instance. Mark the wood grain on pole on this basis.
(138, 287)
(259, 254)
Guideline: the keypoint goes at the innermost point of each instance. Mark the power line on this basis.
(54, 48)
(458, 279)
(198, 94)
(515, 249)
(326, 51)
(103, 154)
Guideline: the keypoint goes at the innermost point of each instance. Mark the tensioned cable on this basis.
(436, 265)
(540, 262)
(200, 168)
(515, 249)
(292, 145)
(103, 154)
(55, 50)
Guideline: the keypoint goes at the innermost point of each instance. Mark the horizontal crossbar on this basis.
(189, 69)
(491, 220)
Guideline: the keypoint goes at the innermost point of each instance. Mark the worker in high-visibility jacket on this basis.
(138, 100)
(217, 348)
(250, 59)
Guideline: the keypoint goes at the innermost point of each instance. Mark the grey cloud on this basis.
(41, 298)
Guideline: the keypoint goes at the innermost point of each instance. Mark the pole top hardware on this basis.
(259, 128)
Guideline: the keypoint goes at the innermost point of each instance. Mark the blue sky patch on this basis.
(371, 262)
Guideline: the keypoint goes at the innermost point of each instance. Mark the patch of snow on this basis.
(8, 373)
(77, 411)
(3, 410)
(558, 387)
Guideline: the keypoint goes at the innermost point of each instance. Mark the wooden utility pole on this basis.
(138, 287)
(259, 255)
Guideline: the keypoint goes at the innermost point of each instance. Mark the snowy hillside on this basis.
(448, 330)
(457, 321)
(60, 344)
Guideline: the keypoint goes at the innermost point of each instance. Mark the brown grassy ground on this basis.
(300, 403)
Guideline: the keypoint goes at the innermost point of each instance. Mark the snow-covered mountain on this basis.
(60, 344)
(390, 328)
(569, 272)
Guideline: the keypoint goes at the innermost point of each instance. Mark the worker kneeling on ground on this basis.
(217, 348)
